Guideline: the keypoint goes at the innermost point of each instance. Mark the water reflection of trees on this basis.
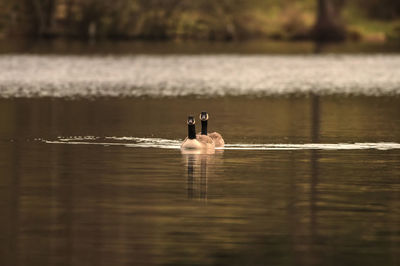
(315, 132)
(56, 208)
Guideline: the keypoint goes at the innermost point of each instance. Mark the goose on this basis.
(216, 137)
(201, 143)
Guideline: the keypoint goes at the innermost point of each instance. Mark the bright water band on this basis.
(203, 75)
(160, 143)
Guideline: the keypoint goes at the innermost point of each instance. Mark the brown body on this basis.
(202, 144)
(215, 137)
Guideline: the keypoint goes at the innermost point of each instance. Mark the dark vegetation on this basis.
(323, 20)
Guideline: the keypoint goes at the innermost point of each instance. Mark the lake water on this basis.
(91, 172)
(198, 75)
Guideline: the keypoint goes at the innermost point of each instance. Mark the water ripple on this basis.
(160, 143)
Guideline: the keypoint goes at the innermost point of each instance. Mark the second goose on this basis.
(216, 137)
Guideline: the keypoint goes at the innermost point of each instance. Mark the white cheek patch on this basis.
(191, 121)
(202, 117)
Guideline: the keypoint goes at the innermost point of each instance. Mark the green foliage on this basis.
(182, 19)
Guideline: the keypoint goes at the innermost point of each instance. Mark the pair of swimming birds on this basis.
(204, 140)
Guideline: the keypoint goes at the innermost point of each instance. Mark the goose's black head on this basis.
(191, 120)
(204, 119)
(191, 127)
(203, 116)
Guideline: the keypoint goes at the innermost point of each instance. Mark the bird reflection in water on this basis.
(199, 168)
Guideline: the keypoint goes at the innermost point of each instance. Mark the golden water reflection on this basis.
(115, 205)
(199, 168)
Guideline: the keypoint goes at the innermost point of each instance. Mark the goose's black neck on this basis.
(204, 127)
(191, 131)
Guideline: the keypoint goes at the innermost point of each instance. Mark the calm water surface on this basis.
(76, 204)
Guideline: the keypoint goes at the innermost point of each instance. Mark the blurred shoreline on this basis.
(258, 46)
